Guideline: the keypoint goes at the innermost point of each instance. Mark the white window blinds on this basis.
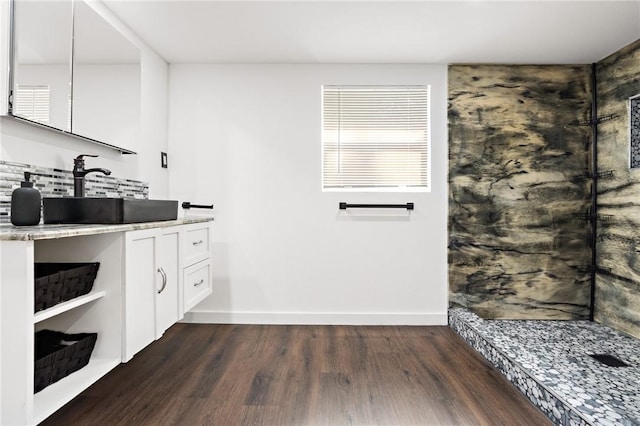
(32, 102)
(375, 137)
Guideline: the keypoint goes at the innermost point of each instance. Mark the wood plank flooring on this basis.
(302, 375)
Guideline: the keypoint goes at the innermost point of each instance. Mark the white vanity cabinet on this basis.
(196, 268)
(167, 272)
(137, 295)
(151, 286)
(95, 312)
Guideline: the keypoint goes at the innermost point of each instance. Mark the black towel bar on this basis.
(188, 205)
(344, 206)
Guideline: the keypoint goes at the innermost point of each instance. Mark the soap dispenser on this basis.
(25, 203)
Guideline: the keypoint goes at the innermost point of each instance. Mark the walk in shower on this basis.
(544, 225)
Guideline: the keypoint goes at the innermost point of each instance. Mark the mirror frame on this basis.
(11, 88)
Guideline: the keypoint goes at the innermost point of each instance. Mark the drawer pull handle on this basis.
(197, 243)
(199, 283)
(164, 279)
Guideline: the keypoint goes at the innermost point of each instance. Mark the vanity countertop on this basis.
(9, 232)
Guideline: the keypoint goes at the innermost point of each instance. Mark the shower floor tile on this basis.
(551, 363)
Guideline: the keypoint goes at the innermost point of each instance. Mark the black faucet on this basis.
(79, 173)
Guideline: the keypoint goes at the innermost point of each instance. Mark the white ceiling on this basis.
(208, 31)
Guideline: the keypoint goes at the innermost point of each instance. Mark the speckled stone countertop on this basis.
(9, 232)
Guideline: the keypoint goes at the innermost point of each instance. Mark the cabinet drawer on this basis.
(197, 283)
(196, 245)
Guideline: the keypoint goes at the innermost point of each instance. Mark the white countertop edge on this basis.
(10, 232)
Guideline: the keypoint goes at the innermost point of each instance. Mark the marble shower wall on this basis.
(618, 244)
(518, 156)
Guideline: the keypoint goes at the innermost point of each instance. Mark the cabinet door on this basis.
(140, 291)
(167, 279)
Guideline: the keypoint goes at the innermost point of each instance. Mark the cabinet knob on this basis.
(197, 243)
(199, 283)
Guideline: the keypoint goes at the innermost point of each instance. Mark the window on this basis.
(375, 138)
(32, 102)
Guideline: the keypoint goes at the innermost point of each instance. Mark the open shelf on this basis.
(67, 306)
(54, 396)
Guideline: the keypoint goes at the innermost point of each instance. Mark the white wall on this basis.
(27, 144)
(247, 138)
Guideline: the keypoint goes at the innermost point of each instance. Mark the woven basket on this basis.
(59, 282)
(57, 355)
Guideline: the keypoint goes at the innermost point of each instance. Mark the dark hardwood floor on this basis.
(302, 375)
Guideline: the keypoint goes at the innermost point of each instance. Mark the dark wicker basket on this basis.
(57, 355)
(59, 282)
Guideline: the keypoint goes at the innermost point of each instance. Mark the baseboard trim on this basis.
(314, 318)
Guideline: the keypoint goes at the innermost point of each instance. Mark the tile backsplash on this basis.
(59, 183)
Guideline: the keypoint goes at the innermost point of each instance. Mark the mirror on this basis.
(106, 80)
(42, 62)
(74, 72)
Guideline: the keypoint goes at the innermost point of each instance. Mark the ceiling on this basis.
(473, 31)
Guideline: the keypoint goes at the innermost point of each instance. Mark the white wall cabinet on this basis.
(152, 280)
